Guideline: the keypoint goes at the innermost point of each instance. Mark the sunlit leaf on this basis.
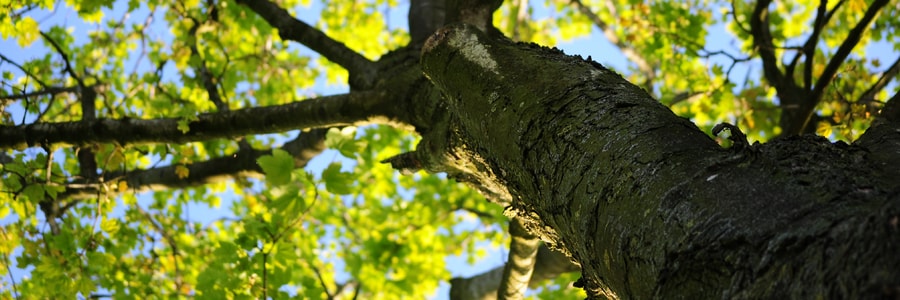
(277, 166)
(336, 181)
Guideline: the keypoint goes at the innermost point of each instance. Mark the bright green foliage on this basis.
(351, 220)
(277, 167)
(721, 82)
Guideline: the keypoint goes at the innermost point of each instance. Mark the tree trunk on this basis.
(649, 205)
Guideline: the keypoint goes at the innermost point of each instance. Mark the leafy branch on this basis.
(762, 39)
(882, 82)
(643, 66)
(362, 70)
(242, 163)
(799, 103)
(837, 60)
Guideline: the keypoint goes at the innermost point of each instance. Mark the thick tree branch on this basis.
(242, 163)
(523, 248)
(846, 47)
(891, 110)
(548, 264)
(205, 76)
(762, 40)
(362, 71)
(425, 17)
(809, 49)
(792, 97)
(340, 110)
(667, 213)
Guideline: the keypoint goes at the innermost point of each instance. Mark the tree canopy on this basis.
(248, 149)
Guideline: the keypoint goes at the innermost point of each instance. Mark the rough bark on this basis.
(340, 110)
(647, 204)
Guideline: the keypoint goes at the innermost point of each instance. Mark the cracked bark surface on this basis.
(644, 201)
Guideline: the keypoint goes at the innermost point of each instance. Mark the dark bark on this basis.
(242, 163)
(649, 205)
(425, 17)
(339, 110)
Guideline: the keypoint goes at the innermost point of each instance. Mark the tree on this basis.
(644, 201)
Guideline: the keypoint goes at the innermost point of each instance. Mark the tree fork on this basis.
(648, 204)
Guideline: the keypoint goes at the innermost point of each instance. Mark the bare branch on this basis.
(737, 21)
(340, 110)
(205, 76)
(809, 47)
(65, 57)
(52, 90)
(762, 40)
(362, 71)
(203, 73)
(12, 280)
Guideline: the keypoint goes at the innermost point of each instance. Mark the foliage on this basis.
(348, 222)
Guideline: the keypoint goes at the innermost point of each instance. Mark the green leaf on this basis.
(184, 123)
(337, 182)
(26, 30)
(53, 190)
(246, 242)
(277, 166)
(34, 192)
(344, 141)
(110, 226)
(288, 201)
